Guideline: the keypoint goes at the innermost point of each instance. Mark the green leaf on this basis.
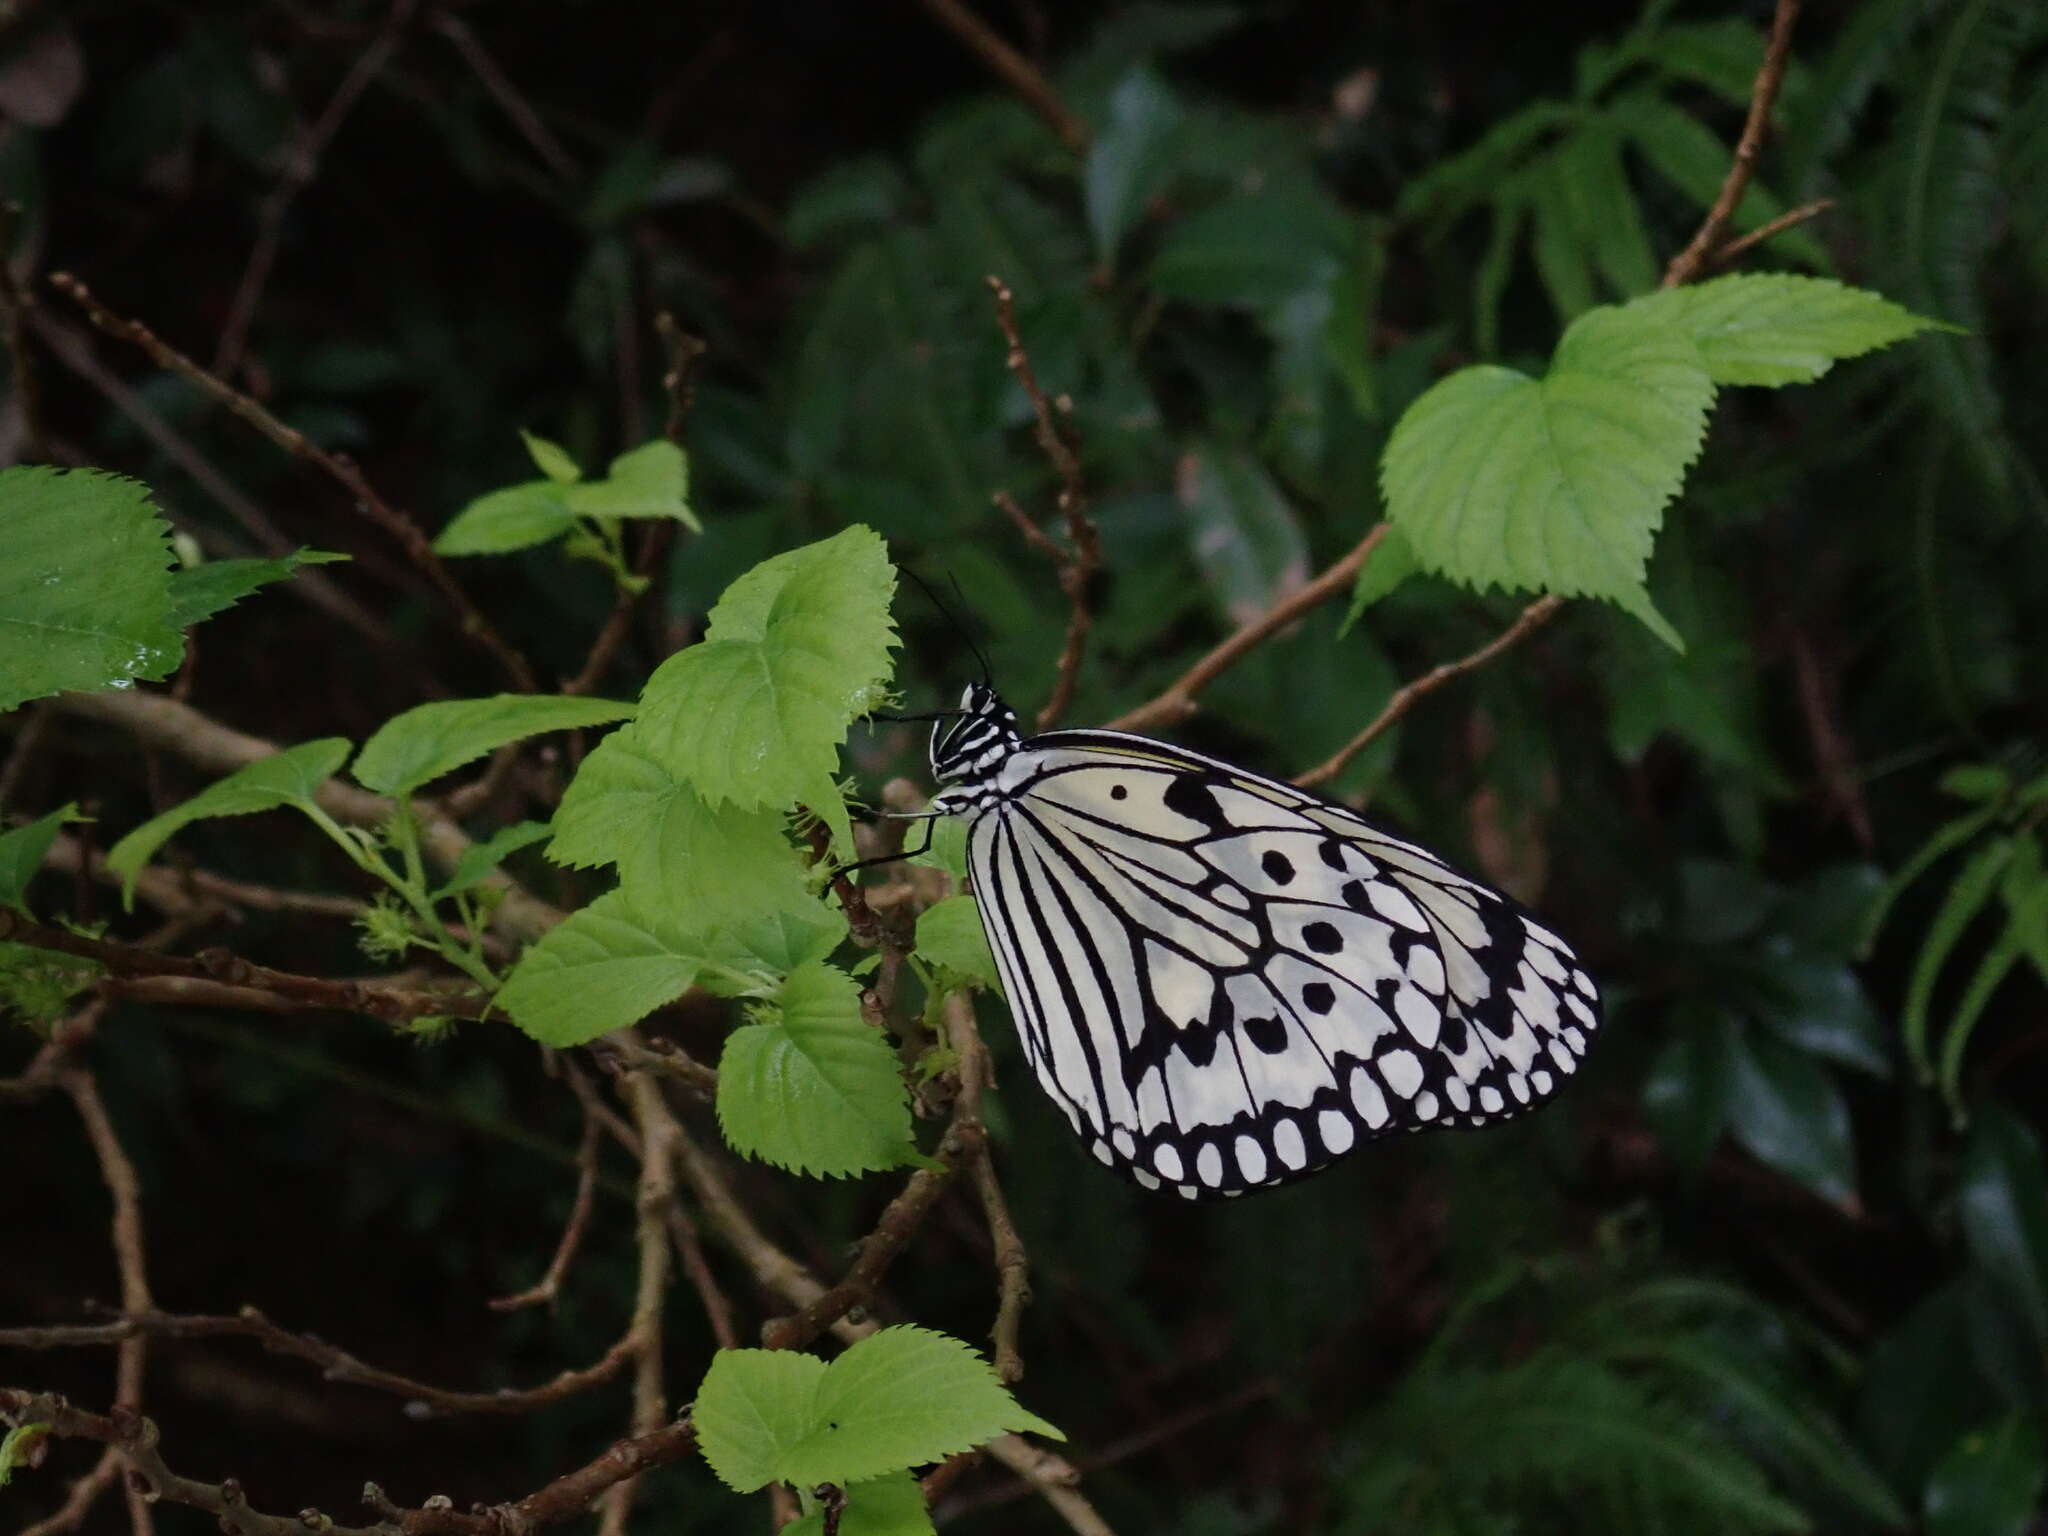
(1990, 1483)
(1967, 897)
(652, 480)
(2002, 1198)
(599, 969)
(1789, 1113)
(290, 777)
(951, 937)
(1602, 208)
(23, 850)
(675, 853)
(1773, 328)
(85, 588)
(1554, 485)
(1687, 1094)
(200, 591)
(1688, 155)
(893, 1400)
(1129, 157)
(480, 860)
(882, 1506)
(1392, 562)
(424, 742)
(796, 649)
(1946, 839)
(778, 940)
(851, 198)
(15, 1448)
(752, 1408)
(551, 459)
(517, 517)
(900, 1397)
(2024, 889)
(1253, 250)
(1820, 1006)
(816, 1091)
(948, 850)
(1245, 536)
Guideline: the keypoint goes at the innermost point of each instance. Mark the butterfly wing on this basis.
(1226, 981)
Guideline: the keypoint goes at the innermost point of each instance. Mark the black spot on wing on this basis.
(1278, 867)
(1323, 938)
(1267, 1034)
(1193, 795)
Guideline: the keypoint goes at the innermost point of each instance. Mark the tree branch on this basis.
(1016, 71)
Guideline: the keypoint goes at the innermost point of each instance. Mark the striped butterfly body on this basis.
(1227, 982)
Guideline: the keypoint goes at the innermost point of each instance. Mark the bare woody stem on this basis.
(338, 467)
(1016, 71)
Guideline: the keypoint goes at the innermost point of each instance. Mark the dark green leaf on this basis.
(23, 849)
(1687, 1094)
(1788, 1112)
(1990, 1483)
(200, 591)
(1245, 536)
(2002, 1197)
(1129, 157)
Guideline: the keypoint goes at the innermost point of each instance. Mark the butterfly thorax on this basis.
(970, 748)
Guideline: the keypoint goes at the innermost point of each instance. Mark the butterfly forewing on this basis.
(1226, 982)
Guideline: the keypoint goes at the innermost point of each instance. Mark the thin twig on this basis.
(1756, 237)
(507, 96)
(338, 467)
(335, 1364)
(658, 1131)
(690, 1251)
(1177, 701)
(301, 165)
(684, 350)
(16, 301)
(549, 1286)
(1079, 561)
(1694, 259)
(1018, 72)
(1412, 693)
(1013, 1263)
(394, 1005)
(567, 1497)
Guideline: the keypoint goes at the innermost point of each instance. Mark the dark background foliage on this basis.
(1751, 1271)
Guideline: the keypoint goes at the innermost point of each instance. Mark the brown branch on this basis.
(1016, 71)
(1177, 702)
(657, 1195)
(1412, 693)
(394, 1005)
(567, 1497)
(158, 720)
(15, 303)
(1078, 563)
(1698, 254)
(338, 467)
(301, 165)
(510, 102)
(70, 348)
(549, 1286)
(690, 1251)
(85, 1493)
(1763, 232)
(1013, 1263)
(335, 1364)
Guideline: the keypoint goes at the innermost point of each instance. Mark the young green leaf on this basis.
(1556, 484)
(1392, 562)
(891, 1401)
(17, 1445)
(900, 1397)
(23, 850)
(1776, 328)
(675, 853)
(429, 740)
(480, 860)
(795, 650)
(753, 1407)
(517, 517)
(290, 777)
(777, 940)
(652, 480)
(599, 969)
(950, 936)
(85, 588)
(200, 591)
(551, 458)
(817, 1090)
(881, 1506)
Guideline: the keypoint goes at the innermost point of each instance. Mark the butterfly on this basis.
(1227, 982)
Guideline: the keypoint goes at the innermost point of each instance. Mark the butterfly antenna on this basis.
(953, 618)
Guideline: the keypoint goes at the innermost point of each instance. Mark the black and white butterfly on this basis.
(1225, 981)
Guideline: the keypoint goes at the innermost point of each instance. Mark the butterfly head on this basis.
(972, 744)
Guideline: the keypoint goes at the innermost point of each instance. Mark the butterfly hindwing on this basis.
(1226, 982)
